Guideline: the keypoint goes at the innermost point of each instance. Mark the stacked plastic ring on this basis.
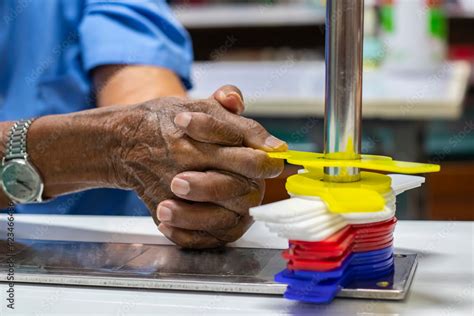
(338, 233)
(334, 251)
(318, 270)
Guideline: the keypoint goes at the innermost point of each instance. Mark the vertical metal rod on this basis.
(343, 109)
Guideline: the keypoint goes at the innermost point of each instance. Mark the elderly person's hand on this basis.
(198, 167)
(196, 164)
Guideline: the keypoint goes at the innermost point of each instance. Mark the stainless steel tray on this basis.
(235, 270)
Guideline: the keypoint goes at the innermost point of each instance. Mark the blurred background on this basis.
(418, 89)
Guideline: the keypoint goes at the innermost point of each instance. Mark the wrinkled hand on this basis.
(198, 167)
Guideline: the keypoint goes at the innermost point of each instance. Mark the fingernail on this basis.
(220, 95)
(183, 119)
(274, 142)
(239, 101)
(234, 94)
(180, 186)
(164, 213)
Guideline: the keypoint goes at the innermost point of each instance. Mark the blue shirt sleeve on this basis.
(141, 32)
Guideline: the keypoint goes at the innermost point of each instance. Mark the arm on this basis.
(145, 147)
(135, 50)
(62, 147)
(132, 84)
(57, 146)
(121, 85)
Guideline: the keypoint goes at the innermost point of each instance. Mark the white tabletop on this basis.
(443, 283)
(290, 88)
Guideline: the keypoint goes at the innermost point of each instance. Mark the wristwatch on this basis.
(19, 179)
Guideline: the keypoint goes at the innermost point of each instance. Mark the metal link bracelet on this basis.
(16, 146)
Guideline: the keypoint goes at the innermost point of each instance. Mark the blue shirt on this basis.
(47, 50)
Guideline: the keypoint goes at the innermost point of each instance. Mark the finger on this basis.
(234, 233)
(189, 235)
(209, 186)
(190, 239)
(248, 162)
(242, 204)
(230, 97)
(233, 192)
(196, 216)
(256, 136)
(208, 129)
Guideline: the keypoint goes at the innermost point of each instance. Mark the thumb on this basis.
(230, 97)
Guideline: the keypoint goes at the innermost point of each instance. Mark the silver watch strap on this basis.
(16, 146)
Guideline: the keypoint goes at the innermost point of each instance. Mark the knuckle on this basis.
(237, 231)
(232, 237)
(277, 166)
(213, 124)
(166, 100)
(244, 203)
(223, 131)
(227, 133)
(196, 105)
(241, 204)
(198, 240)
(174, 237)
(183, 157)
(233, 220)
(181, 239)
(241, 185)
(234, 138)
(255, 128)
(181, 147)
(226, 220)
(204, 105)
(256, 195)
(216, 243)
(187, 243)
(247, 164)
(213, 190)
(203, 118)
(263, 166)
(226, 235)
(260, 164)
(259, 184)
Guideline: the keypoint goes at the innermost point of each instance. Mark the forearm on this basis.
(132, 84)
(70, 151)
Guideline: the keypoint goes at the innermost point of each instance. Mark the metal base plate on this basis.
(234, 270)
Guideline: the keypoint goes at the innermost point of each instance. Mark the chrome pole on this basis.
(343, 108)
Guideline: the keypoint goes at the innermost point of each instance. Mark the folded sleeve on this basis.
(141, 32)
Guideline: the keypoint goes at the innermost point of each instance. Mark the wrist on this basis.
(70, 151)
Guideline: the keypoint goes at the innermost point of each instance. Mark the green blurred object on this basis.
(387, 18)
(437, 23)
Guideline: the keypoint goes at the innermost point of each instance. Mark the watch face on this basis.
(20, 181)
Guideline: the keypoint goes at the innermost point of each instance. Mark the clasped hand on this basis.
(197, 164)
